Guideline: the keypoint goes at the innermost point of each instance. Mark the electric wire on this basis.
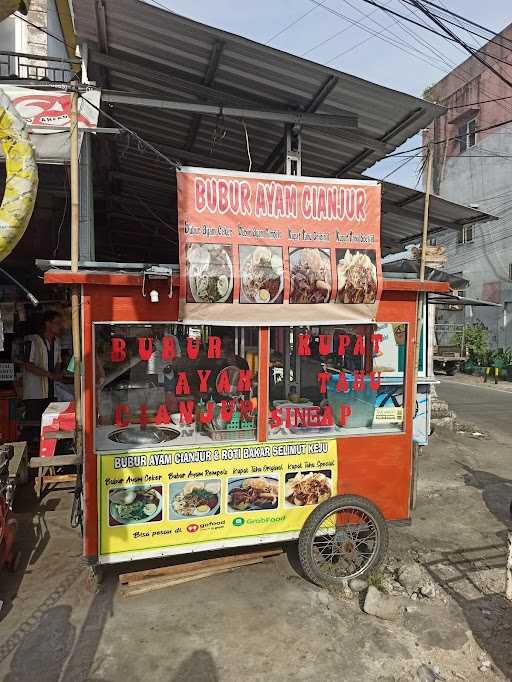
(292, 23)
(468, 30)
(456, 68)
(44, 30)
(413, 52)
(142, 141)
(482, 101)
(453, 36)
(395, 170)
(469, 21)
(338, 33)
(396, 36)
(450, 36)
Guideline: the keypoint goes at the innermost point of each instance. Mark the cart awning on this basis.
(455, 299)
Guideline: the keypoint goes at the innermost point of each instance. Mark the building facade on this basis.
(472, 165)
(24, 48)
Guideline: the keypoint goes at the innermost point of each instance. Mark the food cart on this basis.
(245, 398)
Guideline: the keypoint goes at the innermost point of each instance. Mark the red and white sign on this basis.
(43, 110)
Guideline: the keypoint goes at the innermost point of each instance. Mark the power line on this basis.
(44, 30)
(455, 71)
(482, 101)
(141, 140)
(338, 33)
(292, 23)
(378, 34)
(469, 21)
(468, 30)
(453, 38)
(417, 156)
(450, 33)
(447, 139)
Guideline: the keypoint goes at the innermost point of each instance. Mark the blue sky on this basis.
(354, 37)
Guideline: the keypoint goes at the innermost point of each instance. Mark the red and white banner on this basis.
(276, 250)
(45, 110)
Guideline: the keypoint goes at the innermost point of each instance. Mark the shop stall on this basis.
(264, 392)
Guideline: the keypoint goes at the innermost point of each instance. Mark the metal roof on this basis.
(402, 214)
(135, 47)
(455, 299)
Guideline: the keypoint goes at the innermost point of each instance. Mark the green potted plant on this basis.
(476, 342)
(503, 361)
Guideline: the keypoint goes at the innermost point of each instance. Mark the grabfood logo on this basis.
(238, 521)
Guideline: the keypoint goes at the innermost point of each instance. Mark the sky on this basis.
(355, 37)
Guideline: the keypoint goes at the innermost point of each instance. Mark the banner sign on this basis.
(173, 497)
(277, 249)
(52, 109)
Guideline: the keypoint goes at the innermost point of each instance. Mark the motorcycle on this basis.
(9, 557)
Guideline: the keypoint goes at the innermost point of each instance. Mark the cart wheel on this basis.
(343, 538)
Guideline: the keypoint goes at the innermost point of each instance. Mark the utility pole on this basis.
(420, 304)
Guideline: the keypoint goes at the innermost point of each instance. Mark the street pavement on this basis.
(485, 405)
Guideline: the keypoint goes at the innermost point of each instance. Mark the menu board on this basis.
(277, 249)
(173, 497)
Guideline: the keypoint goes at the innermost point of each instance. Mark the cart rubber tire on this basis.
(310, 528)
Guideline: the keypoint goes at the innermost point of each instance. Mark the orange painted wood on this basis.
(376, 467)
(416, 285)
(263, 357)
(86, 277)
(127, 279)
(90, 489)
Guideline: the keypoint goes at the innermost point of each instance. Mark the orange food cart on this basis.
(236, 422)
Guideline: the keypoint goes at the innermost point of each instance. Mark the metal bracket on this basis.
(293, 151)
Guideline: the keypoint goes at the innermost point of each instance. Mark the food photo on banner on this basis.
(273, 249)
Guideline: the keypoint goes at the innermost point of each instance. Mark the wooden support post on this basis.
(75, 293)
(420, 300)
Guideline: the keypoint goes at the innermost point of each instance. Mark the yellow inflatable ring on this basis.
(21, 177)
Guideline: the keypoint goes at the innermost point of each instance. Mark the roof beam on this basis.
(406, 121)
(152, 75)
(346, 120)
(410, 199)
(396, 209)
(319, 97)
(100, 11)
(208, 79)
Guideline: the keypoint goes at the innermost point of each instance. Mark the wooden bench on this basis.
(46, 471)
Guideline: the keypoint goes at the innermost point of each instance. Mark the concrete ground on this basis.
(264, 622)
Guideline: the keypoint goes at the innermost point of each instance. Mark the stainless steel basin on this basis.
(151, 435)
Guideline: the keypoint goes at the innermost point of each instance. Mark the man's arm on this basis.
(38, 371)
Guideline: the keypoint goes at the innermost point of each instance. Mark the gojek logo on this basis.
(238, 521)
(193, 528)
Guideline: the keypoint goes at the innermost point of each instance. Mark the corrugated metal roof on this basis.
(137, 47)
(402, 214)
